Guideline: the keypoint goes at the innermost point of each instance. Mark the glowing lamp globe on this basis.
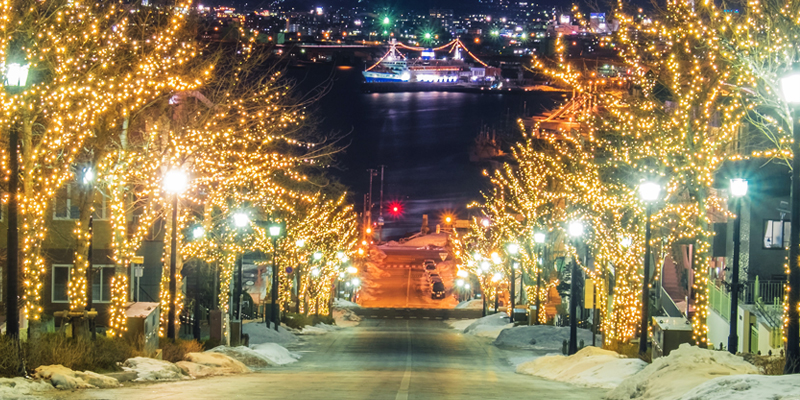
(738, 187)
(539, 237)
(275, 230)
(790, 87)
(576, 229)
(317, 256)
(176, 181)
(513, 248)
(16, 75)
(240, 220)
(649, 191)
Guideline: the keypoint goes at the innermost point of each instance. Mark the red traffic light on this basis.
(395, 209)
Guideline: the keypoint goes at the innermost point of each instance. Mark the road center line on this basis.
(402, 393)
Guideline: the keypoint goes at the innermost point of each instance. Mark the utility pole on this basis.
(368, 205)
(380, 214)
(12, 246)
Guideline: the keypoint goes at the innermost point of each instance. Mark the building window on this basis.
(776, 234)
(67, 201)
(101, 283)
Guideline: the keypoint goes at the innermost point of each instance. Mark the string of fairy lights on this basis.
(95, 68)
(716, 74)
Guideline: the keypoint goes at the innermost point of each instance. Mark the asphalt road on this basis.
(379, 359)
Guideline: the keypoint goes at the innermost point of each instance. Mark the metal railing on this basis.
(767, 292)
(719, 301)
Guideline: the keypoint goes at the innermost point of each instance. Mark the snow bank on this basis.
(64, 378)
(460, 324)
(196, 370)
(747, 387)
(13, 388)
(345, 318)
(476, 304)
(591, 366)
(259, 333)
(670, 377)
(489, 326)
(243, 354)
(434, 240)
(150, 369)
(340, 303)
(318, 329)
(275, 354)
(540, 337)
(219, 361)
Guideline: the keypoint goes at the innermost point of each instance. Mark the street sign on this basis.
(137, 260)
(443, 256)
(138, 271)
(380, 221)
(289, 270)
(588, 294)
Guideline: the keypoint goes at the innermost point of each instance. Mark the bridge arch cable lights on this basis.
(453, 45)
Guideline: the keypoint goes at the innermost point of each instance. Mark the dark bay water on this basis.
(423, 138)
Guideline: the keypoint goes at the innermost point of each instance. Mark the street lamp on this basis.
(175, 182)
(539, 238)
(275, 232)
(88, 180)
(16, 77)
(649, 192)
(513, 250)
(738, 190)
(575, 231)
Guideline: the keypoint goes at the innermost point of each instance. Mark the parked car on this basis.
(437, 290)
(430, 268)
(434, 277)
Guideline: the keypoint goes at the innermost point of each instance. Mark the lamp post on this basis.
(513, 250)
(738, 190)
(539, 239)
(16, 77)
(790, 86)
(240, 220)
(275, 232)
(88, 181)
(300, 243)
(176, 182)
(575, 231)
(485, 269)
(649, 192)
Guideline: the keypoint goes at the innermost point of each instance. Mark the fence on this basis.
(769, 292)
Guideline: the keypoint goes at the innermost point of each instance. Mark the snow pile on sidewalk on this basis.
(259, 333)
(243, 354)
(150, 369)
(460, 324)
(489, 326)
(747, 387)
(684, 369)
(591, 366)
(340, 303)
(476, 304)
(318, 329)
(275, 354)
(220, 362)
(345, 317)
(540, 337)
(64, 378)
(14, 388)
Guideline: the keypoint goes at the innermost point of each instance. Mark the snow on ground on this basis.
(245, 355)
(219, 361)
(345, 317)
(259, 333)
(341, 303)
(150, 369)
(471, 304)
(196, 370)
(460, 324)
(434, 240)
(591, 366)
(670, 377)
(318, 329)
(64, 378)
(747, 387)
(489, 326)
(540, 337)
(275, 354)
(21, 388)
